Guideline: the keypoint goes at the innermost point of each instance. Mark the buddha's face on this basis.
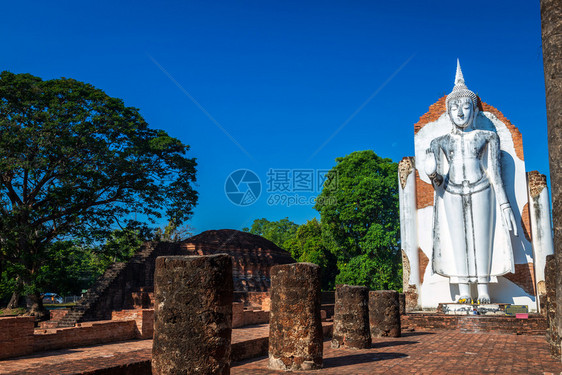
(461, 112)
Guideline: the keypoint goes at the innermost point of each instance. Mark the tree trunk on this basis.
(14, 301)
(35, 307)
(551, 21)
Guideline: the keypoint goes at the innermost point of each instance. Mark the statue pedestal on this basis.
(472, 309)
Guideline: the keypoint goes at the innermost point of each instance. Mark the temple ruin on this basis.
(130, 285)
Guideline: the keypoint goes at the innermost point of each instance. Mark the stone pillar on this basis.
(550, 306)
(295, 327)
(193, 315)
(384, 313)
(351, 318)
(541, 229)
(402, 301)
(551, 22)
(408, 230)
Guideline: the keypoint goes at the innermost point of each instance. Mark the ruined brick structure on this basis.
(130, 284)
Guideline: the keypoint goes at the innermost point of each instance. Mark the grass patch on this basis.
(12, 312)
(59, 305)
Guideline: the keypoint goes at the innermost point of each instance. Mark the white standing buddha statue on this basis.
(469, 246)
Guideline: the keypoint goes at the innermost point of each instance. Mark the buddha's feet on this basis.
(484, 299)
(464, 299)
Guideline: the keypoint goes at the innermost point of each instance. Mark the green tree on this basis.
(278, 232)
(74, 162)
(68, 268)
(173, 233)
(360, 220)
(307, 246)
(119, 246)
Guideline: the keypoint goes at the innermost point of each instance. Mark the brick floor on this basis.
(439, 352)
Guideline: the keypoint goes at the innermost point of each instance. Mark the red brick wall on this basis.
(85, 334)
(535, 325)
(257, 298)
(241, 317)
(424, 193)
(435, 111)
(16, 336)
(58, 314)
(423, 262)
(143, 298)
(526, 222)
(237, 314)
(524, 277)
(256, 317)
(144, 320)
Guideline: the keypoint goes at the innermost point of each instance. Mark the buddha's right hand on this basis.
(430, 168)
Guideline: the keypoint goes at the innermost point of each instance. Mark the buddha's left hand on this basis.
(509, 220)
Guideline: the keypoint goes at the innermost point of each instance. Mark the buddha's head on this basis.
(461, 102)
(461, 111)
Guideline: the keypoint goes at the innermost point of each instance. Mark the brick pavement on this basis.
(439, 352)
(88, 359)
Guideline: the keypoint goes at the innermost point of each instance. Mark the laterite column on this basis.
(295, 327)
(193, 314)
(351, 318)
(384, 313)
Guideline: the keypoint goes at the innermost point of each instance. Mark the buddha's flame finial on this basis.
(460, 90)
(459, 79)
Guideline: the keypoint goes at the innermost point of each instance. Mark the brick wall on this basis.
(83, 335)
(424, 193)
(241, 317)
(435, 111)
(237, 314)
(535, 325)
(144, 320)
(58, 314)
(254, 299)
(143, 298)
(16, 336)
(524, 277)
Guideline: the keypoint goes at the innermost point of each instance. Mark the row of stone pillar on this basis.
(361, 314)
(193, 320)
(295, 325)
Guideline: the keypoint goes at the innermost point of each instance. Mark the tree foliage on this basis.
(278, 232)
(74, 162)
(173, 233)
(360, 220)
(307, 246)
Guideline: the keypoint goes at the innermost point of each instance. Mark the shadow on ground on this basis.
(386, 344)
(355, 359)
(407, 334)
(246, 361)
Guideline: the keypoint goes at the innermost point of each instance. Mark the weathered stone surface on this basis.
(550, 306)
(295, 327)
(351, 318)
(384, 313)
(193, 315)
(551, 22)
(402, 301)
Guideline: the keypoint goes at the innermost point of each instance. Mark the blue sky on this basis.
(282, 77)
